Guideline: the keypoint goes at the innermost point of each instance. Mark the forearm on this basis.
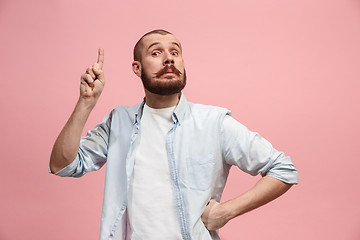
(216, 215)
(67, 144)
(265, 190)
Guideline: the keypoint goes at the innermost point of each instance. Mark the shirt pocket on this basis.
(200, 169)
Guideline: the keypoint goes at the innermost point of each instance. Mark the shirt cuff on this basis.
(66, 171)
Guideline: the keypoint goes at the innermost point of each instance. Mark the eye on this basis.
(174, 53)
(155, 53)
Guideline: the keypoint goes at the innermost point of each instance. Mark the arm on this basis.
(254, 155)
(67, 144)
(216, 215)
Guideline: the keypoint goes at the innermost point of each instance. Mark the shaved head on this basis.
(139, 45)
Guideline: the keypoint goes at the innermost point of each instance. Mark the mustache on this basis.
(165, 69)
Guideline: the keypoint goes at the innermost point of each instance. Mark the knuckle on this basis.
(88, 77)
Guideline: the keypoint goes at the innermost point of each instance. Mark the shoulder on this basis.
(204, 114)
(196, 108)
(125, 112)
(127, 109)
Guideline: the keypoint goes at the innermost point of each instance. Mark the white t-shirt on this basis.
(151, 204)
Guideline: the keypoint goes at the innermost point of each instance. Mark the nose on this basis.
(169, 60)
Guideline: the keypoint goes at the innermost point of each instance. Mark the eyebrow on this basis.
(155, 43)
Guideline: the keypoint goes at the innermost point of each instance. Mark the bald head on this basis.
(139, 45)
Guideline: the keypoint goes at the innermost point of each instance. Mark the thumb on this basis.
(99, 73)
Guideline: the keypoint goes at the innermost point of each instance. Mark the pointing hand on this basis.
(93, 81)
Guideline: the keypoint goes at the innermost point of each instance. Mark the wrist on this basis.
(238, 206)
(85, 104)
(229, 210)
(82, 111)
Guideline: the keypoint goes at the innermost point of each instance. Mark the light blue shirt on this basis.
(202, 145)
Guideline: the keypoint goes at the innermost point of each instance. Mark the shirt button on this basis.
(122, 209)
(111, 233)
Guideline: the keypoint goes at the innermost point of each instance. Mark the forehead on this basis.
(155, 39)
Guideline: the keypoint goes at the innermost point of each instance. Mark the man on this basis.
(167, 159)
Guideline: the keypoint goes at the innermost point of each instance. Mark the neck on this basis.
(161, 101)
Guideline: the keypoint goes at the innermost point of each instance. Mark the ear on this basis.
(136, 66)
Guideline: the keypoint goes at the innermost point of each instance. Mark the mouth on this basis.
(169, 73)
(168, 70)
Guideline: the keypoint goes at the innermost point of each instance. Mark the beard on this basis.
(169, 87)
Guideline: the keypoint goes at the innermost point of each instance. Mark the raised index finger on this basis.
(100, 60)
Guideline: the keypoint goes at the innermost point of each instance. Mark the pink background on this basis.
(287, 69)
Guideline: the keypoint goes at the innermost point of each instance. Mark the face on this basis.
(161, 68)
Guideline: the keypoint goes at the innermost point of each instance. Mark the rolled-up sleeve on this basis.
(253, 154)
(92, 152)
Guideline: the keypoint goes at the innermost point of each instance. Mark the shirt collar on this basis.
(139, 112)
(181, 109)
(178, 115)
